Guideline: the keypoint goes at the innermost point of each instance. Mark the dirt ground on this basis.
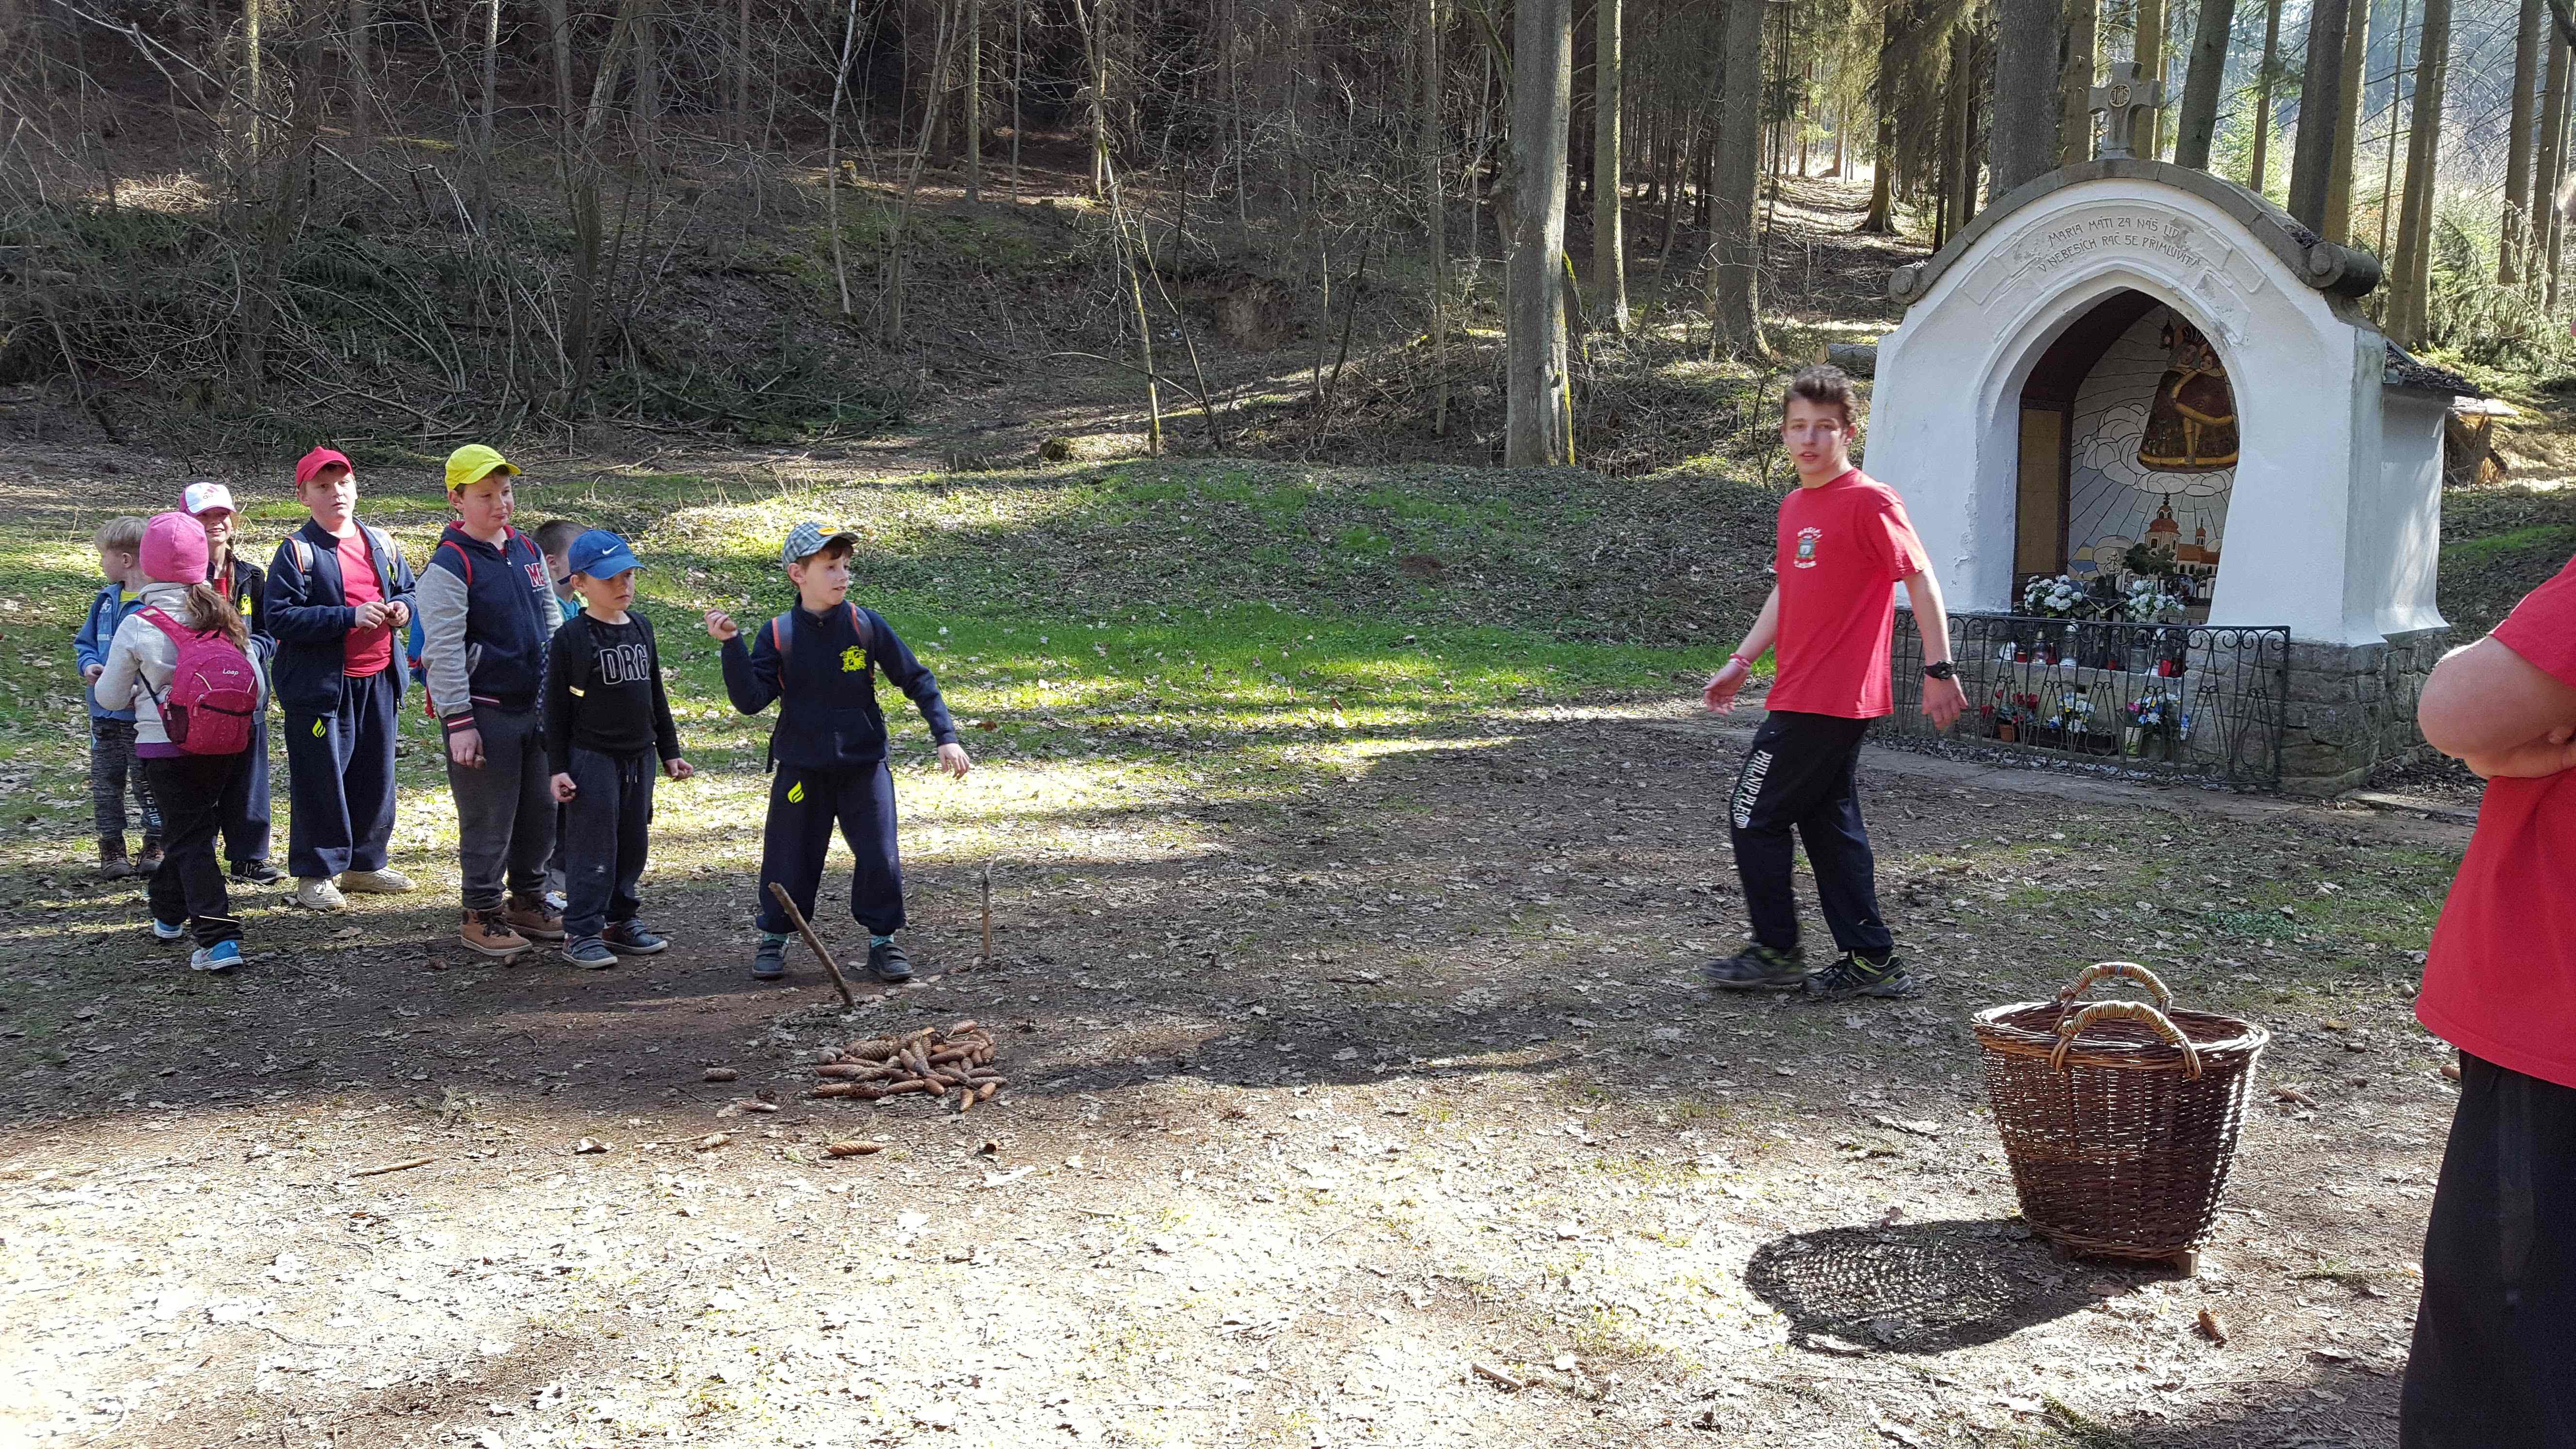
(1389, 1112)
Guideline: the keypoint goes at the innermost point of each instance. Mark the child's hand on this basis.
(678, 769)
(1719, 695)
(369, 616)
(397, 613)
(721, 627)
(91, 672)
(465, 747)
(564, 789)
(952, 758)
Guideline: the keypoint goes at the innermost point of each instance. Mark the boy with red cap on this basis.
(338, 590)
(245, 810)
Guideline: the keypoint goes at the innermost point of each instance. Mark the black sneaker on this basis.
(255, 872)
(1758, 968)
(887, 962)
(1856, 976)
(769, 963)
(630, 938)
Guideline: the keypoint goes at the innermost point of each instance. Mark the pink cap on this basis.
(174, 549)
(203, 496)
(310, 466)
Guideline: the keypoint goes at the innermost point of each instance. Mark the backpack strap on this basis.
(461, 557)
(158, 618)
(782, 632)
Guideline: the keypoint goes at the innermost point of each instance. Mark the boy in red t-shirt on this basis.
(1844, 542)
(2496, 1329)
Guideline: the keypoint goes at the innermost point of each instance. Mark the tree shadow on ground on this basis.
(1911, 1288)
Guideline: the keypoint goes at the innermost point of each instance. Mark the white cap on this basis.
(202, 496)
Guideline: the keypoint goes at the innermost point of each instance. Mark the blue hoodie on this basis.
(486, 614)
(112, 607)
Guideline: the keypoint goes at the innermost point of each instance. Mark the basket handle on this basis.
(2074, 1026)
(2103, 970)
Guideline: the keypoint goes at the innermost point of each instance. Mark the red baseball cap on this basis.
(310, 466)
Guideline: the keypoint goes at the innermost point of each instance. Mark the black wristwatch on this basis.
(1942, 670)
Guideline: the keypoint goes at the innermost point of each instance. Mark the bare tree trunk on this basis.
(1734, 267)
(1609, 236)
(2410, 296)
(1960, 170)
(1534, 431)
(483, 156)
(832, 154)
(2264, 79)
(974, 137)
(362, 71)
(2075, 115)
(2553, 137)
(2514, 237)
(1019, 61)
(648, 84)
(1435, 209)
(2320, 119)
(1095, 35)
(2151, 64)
(254, 87)
(2198, 124)
(2022, 137)
(1882, 182)
(2388, 188)
(742, 129)
(2356, 63)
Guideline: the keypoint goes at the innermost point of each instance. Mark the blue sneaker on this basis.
(219, 957)
(769, 963)
(167, 931)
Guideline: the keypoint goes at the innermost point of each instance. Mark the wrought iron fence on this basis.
(2181, 700)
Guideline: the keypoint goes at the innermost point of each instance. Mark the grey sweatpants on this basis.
(114, 768)
(505, 809)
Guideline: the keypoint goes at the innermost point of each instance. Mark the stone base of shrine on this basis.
(2351, 708)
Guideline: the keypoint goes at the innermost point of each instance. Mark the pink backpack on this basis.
(214, 691)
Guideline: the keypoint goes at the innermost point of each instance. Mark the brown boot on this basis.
(112, 864)
(528, 916)
(488, 933)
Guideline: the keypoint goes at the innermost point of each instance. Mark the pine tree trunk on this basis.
(2356, 64)
(974, 128)
(2263, 81)
(2320, 120)
(1882, 181)
(2151, 64)
(2198, 123)
(2388, 187)
(2022, 140)
(1435, 209)
(1734, 303)
(2514, 236)
(2552, 165)
(1609, 234)
(2083, 44)
(2410, 296)
(1534, 432)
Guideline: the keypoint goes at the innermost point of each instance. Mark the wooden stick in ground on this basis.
(988, 914)
(813, 943)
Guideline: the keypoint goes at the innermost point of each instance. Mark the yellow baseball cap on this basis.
(475, 462)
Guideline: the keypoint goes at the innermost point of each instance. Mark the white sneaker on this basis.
(163, 931)
(375, 882)
(316, 893)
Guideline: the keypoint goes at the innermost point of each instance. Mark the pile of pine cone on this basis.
(931, 1060)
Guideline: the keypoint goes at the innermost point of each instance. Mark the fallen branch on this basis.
(405, 1165)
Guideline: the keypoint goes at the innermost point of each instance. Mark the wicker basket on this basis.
(2120, 1118)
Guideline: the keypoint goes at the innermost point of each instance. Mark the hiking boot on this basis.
(218, 958)
(112, 863)
(1856, 975)
(887, 962)
(489, 933)
(255, 872)
(150, 860)
(528, 916)
(169, 930)
(589, 953)
(375, 882)
(1758, 968)
(316, 893)
(630, 938)
(769, 963)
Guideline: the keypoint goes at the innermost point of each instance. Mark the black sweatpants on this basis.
(804, 804)
(114, 768)
(340, 770)
(244, 811)
(607, 829)
(189, 886)
(1801, 776)
(505, 809)
(2496, 1333)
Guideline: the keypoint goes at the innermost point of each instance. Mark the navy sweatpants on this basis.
(340, 772)
(1801, 776)
(804, 805)
(244, 808)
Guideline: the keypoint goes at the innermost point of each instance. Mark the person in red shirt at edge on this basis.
(2495, 1334)
(1844, 542)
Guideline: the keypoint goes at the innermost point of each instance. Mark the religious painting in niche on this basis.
(2152, 459)
(2191, 427)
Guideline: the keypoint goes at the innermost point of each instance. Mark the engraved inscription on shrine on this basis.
(2217, 275)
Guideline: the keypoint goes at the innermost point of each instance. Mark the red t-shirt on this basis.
(2500, 981)
(1841, 549)
(369, 650)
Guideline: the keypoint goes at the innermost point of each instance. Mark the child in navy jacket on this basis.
(113, 765)
(829, 746)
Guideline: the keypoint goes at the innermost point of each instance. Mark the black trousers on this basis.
(2495, 1337)
(505, 809)
(607, 828)
(1801, 777)
(804, 805)
(113, 769)
(340, 770)
(189, 886)
(245, 810)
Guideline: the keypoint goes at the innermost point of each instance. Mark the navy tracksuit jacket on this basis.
(830, 749)
(339, 731)
(244, 810)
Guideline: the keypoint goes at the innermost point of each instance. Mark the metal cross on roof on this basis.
(2121, 99)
